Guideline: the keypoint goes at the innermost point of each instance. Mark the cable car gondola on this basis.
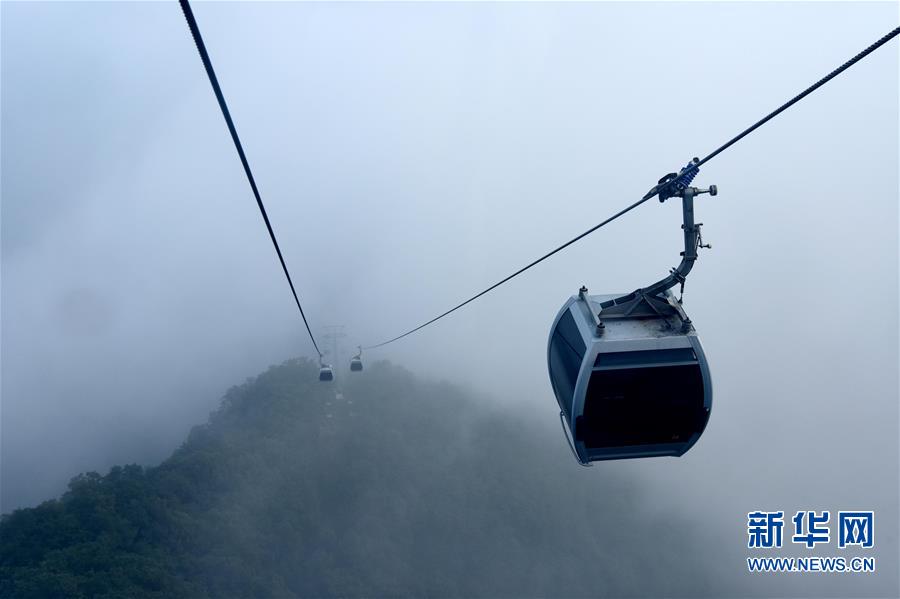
(326, 373)
(628, 371)
(356, 362)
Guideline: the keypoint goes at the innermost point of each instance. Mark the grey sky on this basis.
(409, 156)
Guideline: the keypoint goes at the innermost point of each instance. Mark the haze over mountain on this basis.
(389, 487)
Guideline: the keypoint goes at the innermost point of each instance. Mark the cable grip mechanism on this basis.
(674, 184)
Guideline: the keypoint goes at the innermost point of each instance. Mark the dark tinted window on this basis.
(638, 406)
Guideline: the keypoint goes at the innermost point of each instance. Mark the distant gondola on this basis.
(356, 364)
(326, 373)
(628, 371)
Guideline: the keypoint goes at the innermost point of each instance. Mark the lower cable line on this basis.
(512, 276)
(669, 185)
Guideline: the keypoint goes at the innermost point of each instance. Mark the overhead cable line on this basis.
(803, 94)
(213, 80)
(515, 274)
(667, 185)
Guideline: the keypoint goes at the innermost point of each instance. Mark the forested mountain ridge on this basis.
(379, 484)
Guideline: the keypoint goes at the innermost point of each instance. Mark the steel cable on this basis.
(213, 80)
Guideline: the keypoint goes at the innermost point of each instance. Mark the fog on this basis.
(409, 156)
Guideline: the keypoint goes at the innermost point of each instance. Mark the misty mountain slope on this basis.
(397, 487)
